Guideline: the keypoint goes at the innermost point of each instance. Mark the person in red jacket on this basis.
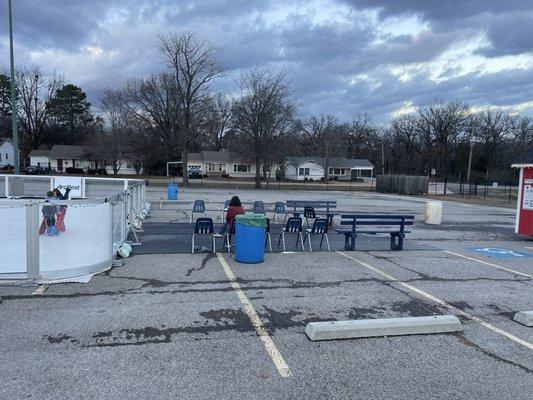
(234, 209)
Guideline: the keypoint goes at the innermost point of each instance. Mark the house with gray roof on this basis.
(344, 169)
(60, 157)
(218, 163)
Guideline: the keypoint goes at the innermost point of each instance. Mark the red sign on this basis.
(525, 206)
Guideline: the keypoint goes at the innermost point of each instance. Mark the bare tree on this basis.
(360, 134)
(494, 127)
(440, 125)
(261, 115)
(216, 121)
(522, 136)
(156, 104)
(194, 65)
(117, 122)
(323, 140)
(35, 90)
(406, 144)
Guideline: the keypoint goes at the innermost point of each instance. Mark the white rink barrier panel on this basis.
(90, 233)
(82, 187)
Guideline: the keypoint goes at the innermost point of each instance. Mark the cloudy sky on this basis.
(342, 56)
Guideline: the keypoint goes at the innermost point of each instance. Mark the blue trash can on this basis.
(249, 243)
(172, 191)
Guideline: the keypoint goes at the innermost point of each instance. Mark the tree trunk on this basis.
(184, 161)
(257, 175)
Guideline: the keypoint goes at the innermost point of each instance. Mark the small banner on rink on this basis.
(62, 182)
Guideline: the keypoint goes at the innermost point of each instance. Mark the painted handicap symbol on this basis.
(500, 253)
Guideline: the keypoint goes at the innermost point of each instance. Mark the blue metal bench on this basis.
(373, 224)
(324, 207)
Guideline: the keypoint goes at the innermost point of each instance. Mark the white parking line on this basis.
(512, 271)
(429, 296)
(270, 347)
(40, 290)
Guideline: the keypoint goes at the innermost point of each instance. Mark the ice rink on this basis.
(85, 241)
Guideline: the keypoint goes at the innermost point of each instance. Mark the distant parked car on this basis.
(34, 170)
(195, 173)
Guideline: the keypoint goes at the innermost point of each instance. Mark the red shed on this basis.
(524, 205)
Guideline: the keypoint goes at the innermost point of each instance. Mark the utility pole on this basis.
(382, 158)
(470, 160)
(16, 157)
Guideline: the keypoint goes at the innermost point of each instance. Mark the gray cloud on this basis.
(342, 65)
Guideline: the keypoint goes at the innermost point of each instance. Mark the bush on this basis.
(224, 175)
(72, 170)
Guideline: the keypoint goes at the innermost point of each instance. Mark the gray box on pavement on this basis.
(524, 318)
(382, 327)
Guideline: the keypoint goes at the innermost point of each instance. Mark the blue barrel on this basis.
(172, 191)
(249, 244)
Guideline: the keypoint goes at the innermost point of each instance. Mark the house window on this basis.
(242, 168)
(303, 171)
(7, 156)
(130, 166)
(337, 171)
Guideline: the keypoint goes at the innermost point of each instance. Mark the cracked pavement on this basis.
(170, 325)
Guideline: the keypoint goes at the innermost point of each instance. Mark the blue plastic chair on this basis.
(320, 227)
(225, 209)
(279, 209)
(259, 207)
(204, 226)
(198, 208)
(309, 212)
(294, 225)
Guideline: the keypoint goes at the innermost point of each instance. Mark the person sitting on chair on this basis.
(234, 209)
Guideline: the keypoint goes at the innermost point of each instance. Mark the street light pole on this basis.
(16, 161)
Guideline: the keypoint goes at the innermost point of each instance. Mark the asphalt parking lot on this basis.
(203, 326)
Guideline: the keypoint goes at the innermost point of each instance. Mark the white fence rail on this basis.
(95, 228)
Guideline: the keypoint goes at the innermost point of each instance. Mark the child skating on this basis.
(49, 216)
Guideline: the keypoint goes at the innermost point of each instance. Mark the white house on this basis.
(302, 168)
(7, 152)
(60, 157)
(218, 163)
